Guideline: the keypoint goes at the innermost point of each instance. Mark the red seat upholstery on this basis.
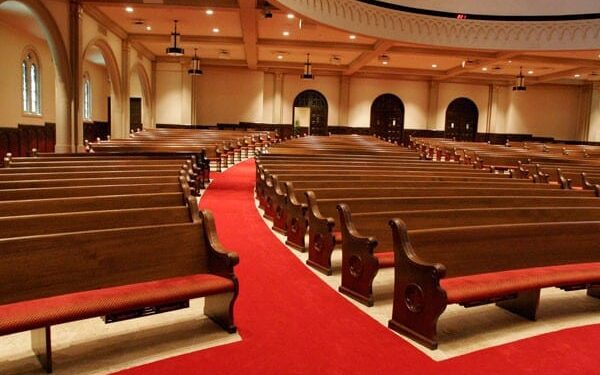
(27, 315)
(338, 237)
(386, 260)
(495, 284)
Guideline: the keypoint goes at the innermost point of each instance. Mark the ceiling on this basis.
(246, 38)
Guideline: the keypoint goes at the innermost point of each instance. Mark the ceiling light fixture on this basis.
(484, 69)
(280, 57)
(290, 16)
(335, 60)
(174, 50)
(384, 59)
(195, 67)
(266, 11)
(577, 75)
(129, 9)
(434, 66)
(210, 12)
(285, 33)
(352, 36)
(520, 83)
(148, 28)
(530, 72)
(215, 30)
(307, 74)
(224, 54)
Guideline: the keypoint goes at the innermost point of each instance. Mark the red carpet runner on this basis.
(292, 323)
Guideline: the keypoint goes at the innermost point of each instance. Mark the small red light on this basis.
(461, 16)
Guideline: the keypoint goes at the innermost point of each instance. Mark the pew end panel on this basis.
(359, 264)
(279, 203)
(419, 299)
(219, 307)
(321, 239)
(296, 222)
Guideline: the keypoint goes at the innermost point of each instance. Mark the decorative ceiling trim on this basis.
(421, 29)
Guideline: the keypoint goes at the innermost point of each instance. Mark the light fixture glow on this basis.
(210, 12)
(285, 33)
(215, 30)
(352, 36)
(530, 72)
(148, 28)
(577, 75)
(129, 9)
(384, 59)
(484, 69)
(434, 66)
(280, 57)
(510, 61)
(307, 74)
(174, 50)
(195, 65)
(290, 16)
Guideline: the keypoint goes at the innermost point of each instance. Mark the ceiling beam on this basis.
(558, 60)
(199, 39)
(460, 70)
(249, 31)
(194, 3)
(425, 51)
(563, 74)
(104, 20)
(313, 45)
(378, 48)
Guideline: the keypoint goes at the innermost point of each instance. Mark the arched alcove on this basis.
(138, 72)
(114, 101)
(51, 33)
(310, 109)
(387, 117)
(461, 120)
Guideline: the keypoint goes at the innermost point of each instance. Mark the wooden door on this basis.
(387, 117)
(318, 110)
(461, 120)
(135, 114)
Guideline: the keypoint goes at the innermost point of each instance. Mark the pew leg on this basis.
(594, 291)
(525, 305)
(219, 308)
(41, 344)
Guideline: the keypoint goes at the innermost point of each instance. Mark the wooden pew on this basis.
(138, 268)
(367, 243)
(324, 211)
(502, 264)
(37, 206)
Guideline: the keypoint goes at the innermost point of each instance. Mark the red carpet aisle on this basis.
(292, 323)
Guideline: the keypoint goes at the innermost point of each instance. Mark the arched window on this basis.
(31, 84)
(87, 98)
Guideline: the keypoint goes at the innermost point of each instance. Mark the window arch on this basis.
(87, 98)
(31, 83)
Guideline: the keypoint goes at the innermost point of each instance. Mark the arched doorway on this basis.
(387, 117)
(310, 109)
(461, 120)
(140, 98)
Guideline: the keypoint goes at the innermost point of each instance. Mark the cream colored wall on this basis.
(594, 132)
(549, 111)
(413, 94)
(328, 86)
(100, 90)
(169, 86)
(12, 44)
(268, 97)
(230, 96)
(479, 94)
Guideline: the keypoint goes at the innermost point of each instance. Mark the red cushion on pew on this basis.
(338, 237)
(496, 284)
(386, 260)
(27, 315)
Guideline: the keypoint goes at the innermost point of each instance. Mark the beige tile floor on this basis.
(92, 347)
(462, 330)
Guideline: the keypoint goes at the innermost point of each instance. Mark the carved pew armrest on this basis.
(220, 261)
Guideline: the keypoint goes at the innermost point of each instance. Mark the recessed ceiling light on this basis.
(510, 61)
(384, 59)
(530, 72)
(129, 9)
(215, 30)
(352, 36)
(290, 16)
(434, 66)
(285, 33)
(280, 57)
(210, 12)
(577, 75)
(148, 28)
(484, 69)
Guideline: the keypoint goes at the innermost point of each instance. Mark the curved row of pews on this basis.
(114, 233)
(466, 227)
